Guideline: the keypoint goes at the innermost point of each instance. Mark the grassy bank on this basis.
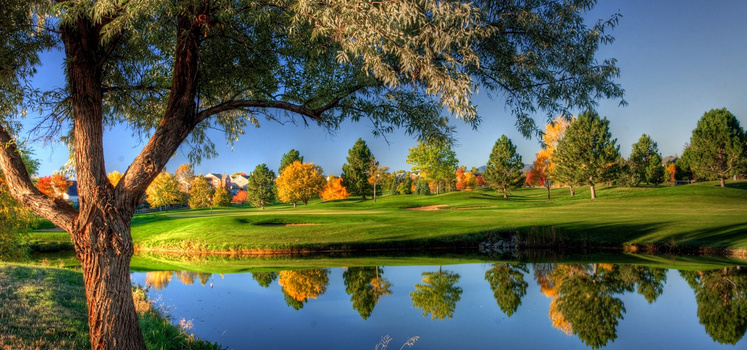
(698, 215)
(45, 308)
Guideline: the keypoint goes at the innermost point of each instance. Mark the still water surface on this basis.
(471, 306)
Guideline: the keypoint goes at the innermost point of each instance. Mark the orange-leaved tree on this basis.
(303, 285)
(239, 198)
(300, 182)
(538, 174)
(334, 189)
(54, 185)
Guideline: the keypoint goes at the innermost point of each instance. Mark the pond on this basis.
(487, 305)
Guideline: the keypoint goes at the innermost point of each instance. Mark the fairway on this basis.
(698, 215)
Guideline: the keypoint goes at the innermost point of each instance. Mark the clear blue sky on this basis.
(678, 59)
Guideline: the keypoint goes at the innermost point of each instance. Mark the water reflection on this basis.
(586, 301)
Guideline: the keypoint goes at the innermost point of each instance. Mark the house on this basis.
(217, 179)
(72, 193)
(238, 182)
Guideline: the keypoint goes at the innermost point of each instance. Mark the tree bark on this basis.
(548, 192)
(573, 190)
(593, 192)
(723, 184)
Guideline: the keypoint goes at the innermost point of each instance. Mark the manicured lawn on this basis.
(698, 215)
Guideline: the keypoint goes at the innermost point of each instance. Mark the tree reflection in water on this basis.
(508, 285)
(722, 301)
(365, 287)
(264, 279)
(438, 294)
(300, 285)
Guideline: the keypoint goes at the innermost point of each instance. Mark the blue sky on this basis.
(678, 59)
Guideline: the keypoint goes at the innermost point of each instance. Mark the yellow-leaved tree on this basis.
(334, 189)
(114, 177)
(302, 285)
(163, 191)
(300, 182)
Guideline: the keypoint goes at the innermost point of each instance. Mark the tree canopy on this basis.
(300, 182)
(356, 171)
(434, 162)
(261, 186)
(172, 70)
(504, 166)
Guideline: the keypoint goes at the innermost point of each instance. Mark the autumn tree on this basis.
(718, 146)
(221, 197)
(437, 295)
(201, 193)
(300, 182)
(239, 198)
(302, 285)
(539, 172)
(261, 187)
(356, 171)
(173, 70)
(504, 166)
(587, 153)
(544, 165)
(184, 175)
(114, 177)
(434, 162)
(54, 186)
(288, 159)
(163, 191)
(334, 189)
(378, 174)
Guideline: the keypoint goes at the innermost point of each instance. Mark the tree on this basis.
(16, 219)
(289, 158)
(365, 287)
(587, 153)
(356, 171)
(261, 190)
(655, 170)
(640, 158)
(539, 172)
(334, 189)
(221, 197)
(504, 166)
(301, 285)
(163, 191)
(545, 162)
(184, 175)
(54, 186)
(435, 162)
(718, 146)
(300, 182)
(378, 174)
(239, 198)
(264, 279)
(174, 70)
(200, 194)
(114, 177)
(508, 285)
(437, 295)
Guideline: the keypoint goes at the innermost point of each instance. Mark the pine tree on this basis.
(587, 154)
(288, 159)
(640, 158)
(356, 171)
(504, 166)
(261, 187)
(655, 170)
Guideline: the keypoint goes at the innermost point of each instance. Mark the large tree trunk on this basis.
(593, 192)
(105, 259)
(723, 184)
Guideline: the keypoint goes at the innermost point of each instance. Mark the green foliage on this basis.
(587, 154)
(504, 166)
(288, 159)
(365, 287)
(422, 188)
(434, 162)
(437, 295)
(654, 170)
(508, 285)
(200, 193)
(641, 157)
(221, 197)
(356, 171)
(718, 146)
(264, 279)
(261, 187)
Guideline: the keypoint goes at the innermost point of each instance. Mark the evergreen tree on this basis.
(356, 171)
(288, 159)
(718, 146)
(200, 193)
(587, 154)
(504, 166)
(260, 189)
(640, 158)
(655, 170)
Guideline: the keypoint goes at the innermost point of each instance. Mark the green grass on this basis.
(45, 308)
(698, 215)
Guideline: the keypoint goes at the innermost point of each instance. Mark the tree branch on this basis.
(23, 190)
